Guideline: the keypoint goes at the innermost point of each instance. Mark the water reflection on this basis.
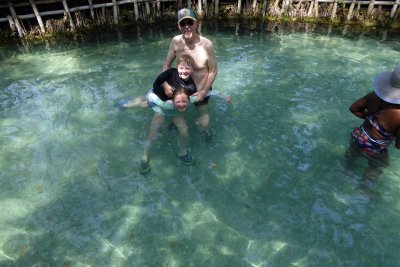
(272, 190)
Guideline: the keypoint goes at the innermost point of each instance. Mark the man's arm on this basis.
(170, 55)
(167, 64)
(212, 72)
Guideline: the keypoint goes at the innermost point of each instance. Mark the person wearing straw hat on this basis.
(380, 110)
(205, 69)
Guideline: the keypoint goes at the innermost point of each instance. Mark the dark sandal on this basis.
(144, 167)
(187, 159)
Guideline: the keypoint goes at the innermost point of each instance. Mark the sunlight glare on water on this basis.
(273, 189)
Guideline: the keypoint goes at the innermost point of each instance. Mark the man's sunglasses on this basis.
(188, 22)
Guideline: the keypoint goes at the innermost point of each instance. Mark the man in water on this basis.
(205, 70)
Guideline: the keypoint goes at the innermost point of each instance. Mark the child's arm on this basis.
(156, 100)
(228, 98)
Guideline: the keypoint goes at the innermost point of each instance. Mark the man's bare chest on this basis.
(199, 56)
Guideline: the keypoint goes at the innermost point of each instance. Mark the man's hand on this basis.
(200, 95)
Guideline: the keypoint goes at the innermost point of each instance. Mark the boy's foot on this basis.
(207, 136)
(187, 159)
(120, 104)
(144, 167)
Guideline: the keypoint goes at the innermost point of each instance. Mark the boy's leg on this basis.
(155, 125)
(183, 130)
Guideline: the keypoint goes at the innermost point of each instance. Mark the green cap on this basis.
(186, 13)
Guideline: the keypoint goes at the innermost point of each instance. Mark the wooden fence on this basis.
(143, 9)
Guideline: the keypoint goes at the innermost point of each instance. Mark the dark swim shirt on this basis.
(171, 76)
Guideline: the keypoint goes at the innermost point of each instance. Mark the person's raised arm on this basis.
(358, 108)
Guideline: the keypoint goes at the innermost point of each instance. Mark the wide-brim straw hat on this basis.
(387, 86)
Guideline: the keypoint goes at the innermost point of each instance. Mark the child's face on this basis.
(184, 71)
(181, 102)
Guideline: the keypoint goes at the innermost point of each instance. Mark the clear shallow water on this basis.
(272, 190)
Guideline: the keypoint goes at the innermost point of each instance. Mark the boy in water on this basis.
(380, 111)
(176, 77)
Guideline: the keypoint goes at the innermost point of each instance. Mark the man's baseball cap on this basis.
(186, 13)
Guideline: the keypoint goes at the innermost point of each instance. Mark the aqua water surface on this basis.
(273, 189)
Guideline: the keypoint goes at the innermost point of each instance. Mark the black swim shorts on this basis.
(204, 101)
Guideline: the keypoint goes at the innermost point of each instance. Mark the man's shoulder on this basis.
(205, 41)
(177, 38)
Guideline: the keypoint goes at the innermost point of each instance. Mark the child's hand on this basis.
(228, 99)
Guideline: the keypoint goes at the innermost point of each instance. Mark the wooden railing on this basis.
(14, 18)
(259, 8)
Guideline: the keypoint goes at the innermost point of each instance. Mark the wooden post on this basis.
(20, 30)
(136, 8)
(285, 7)
(216, 6)
(205, 7)
(66, 9)
(199, 9)
(115, 11)
(316, 9)
(264, 8)
(334, 9)
(38, 17)
(12, 23)
(358, 9)
(350, 14)
(158, 8)
(254, 6)
(393, 11)
(310, 10)
(370, 7)
(147, 4)
(91, 9)
(103, 14)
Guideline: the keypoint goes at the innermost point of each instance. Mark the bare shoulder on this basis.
(177, 39)
(206, 42)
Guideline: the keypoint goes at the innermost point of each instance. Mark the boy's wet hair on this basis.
(185, 59)
(180, 90)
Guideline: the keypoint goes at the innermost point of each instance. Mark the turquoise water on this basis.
(273, 189)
